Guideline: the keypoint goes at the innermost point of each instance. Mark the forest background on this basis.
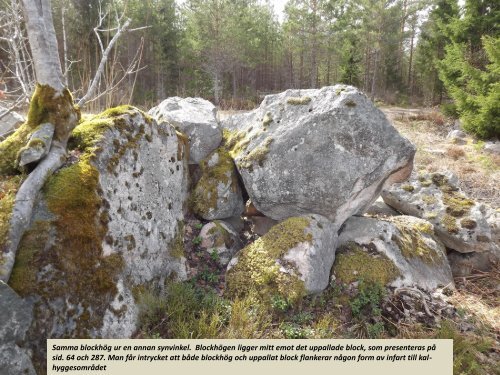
(233, 52)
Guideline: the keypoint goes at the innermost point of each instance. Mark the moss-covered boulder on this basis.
(217, 195)
(460, 223)
(397, 251)
(103, 228)
(220, 240)
(294, 258)
(327, 151)
(195, 117)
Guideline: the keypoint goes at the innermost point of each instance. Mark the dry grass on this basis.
(455, 152)
(479, 295)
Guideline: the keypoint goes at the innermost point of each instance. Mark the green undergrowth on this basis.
(185, 310)
(470, 349)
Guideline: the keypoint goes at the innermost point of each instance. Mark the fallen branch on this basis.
(415, 292)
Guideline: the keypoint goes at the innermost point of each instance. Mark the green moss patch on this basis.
(80, 273)
(235, 142)
(10, 148)
(8, 189)
(258, 270)
(353, 263)
(48, 106)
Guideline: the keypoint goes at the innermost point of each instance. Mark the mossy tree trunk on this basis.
(51, 102)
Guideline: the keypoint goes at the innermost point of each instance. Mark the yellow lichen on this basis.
(257, 155)
(300, 100)
(354, 263)
(457, 204)
(268, 118)
(258, 268)
(429, 199)
(411, 239)
(408, 188)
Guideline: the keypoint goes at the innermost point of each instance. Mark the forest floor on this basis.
(477, 170)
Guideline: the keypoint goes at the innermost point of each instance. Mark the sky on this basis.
(279, 7)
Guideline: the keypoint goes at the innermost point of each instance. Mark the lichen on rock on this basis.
(396, 251)
(461, 223)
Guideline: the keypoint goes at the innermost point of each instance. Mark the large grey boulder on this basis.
(9, 122)
(294, 258)
(326, 151)
(217, 194)
(460, 223)
(401, 251)
(195, 117)
(16, 315)
(105, 227)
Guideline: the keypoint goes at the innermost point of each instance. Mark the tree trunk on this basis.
(51, 102)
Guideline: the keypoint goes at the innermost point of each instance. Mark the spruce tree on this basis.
(470, 70)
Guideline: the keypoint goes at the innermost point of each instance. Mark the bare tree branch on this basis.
(100, 70)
